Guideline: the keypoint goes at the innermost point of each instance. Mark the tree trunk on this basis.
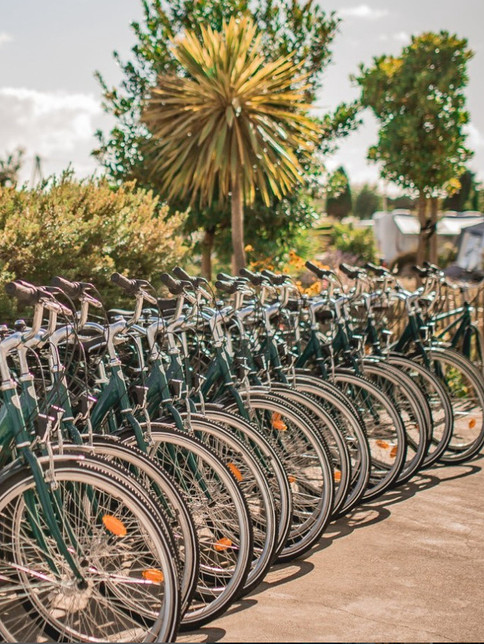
(237, 221)
(207, 247)
(434, 210)
(422, 238)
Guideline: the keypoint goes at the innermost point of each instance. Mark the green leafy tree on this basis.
(339, 202)
(287, 26)
(230, 124)
(368, 200)
(418, 98)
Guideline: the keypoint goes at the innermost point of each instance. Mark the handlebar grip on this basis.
(378, 270)
(182, 275)
(130, 286)
(276, 279)
(313, 268)
(350, 271)
(71, 289)
(226, 287)
(174, 286)
(25, 293)
(254, 278)
(321, 273)
(420, 271)
(225, 276)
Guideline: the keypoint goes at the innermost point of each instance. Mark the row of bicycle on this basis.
(155, 462)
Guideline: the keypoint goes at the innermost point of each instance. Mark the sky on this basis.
(50, 101)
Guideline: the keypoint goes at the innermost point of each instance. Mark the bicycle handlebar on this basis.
(195, 281)
(353, 272)
(25, 293)
(277, 280)
(226, 287)
(129, 285)
(174, 286)
(322, 273)
(254, 278)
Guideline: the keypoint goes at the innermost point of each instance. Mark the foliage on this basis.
(275, 231)
(368, 200)
(10, 166)
(465, 197)
(229, 116)
(403, 202)
(84, 231)
(339, 202)
(351, 240)
(418, 98)
(302, 28)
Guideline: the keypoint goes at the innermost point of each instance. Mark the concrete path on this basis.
(408, 567)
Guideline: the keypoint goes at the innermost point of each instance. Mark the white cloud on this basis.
(58, 126)
(5, 37)
(399, 37)
(363, 11)
(475, 138)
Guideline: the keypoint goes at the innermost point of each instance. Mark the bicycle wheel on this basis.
(221, 517)
(384, 428)
(242, 462)
(439, 402)
(114, 541)
(465, 387)
(306, 459)
(352, 427)
(413, 410)
(269, 460)
(332, 435)
(165, 492)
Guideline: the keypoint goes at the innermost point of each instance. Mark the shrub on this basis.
(84, 230)
(358, 242)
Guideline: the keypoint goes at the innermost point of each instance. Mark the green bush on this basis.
(84, 231)
(354, 241)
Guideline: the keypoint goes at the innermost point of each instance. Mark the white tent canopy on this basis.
(396, 233)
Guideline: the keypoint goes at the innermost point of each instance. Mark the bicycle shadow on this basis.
(362, 516)
(204, 634)
(378, 510)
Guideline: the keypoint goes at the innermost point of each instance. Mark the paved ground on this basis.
(408, 567)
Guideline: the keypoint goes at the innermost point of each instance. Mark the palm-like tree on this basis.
(232, 124)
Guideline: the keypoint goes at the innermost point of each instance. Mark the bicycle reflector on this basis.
(154, 575)
(235, 471)
(114, 525)
(382, 444)
(278, 423)
(337, 476)
(222, 544)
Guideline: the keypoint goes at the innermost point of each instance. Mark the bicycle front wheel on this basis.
(113, 540)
